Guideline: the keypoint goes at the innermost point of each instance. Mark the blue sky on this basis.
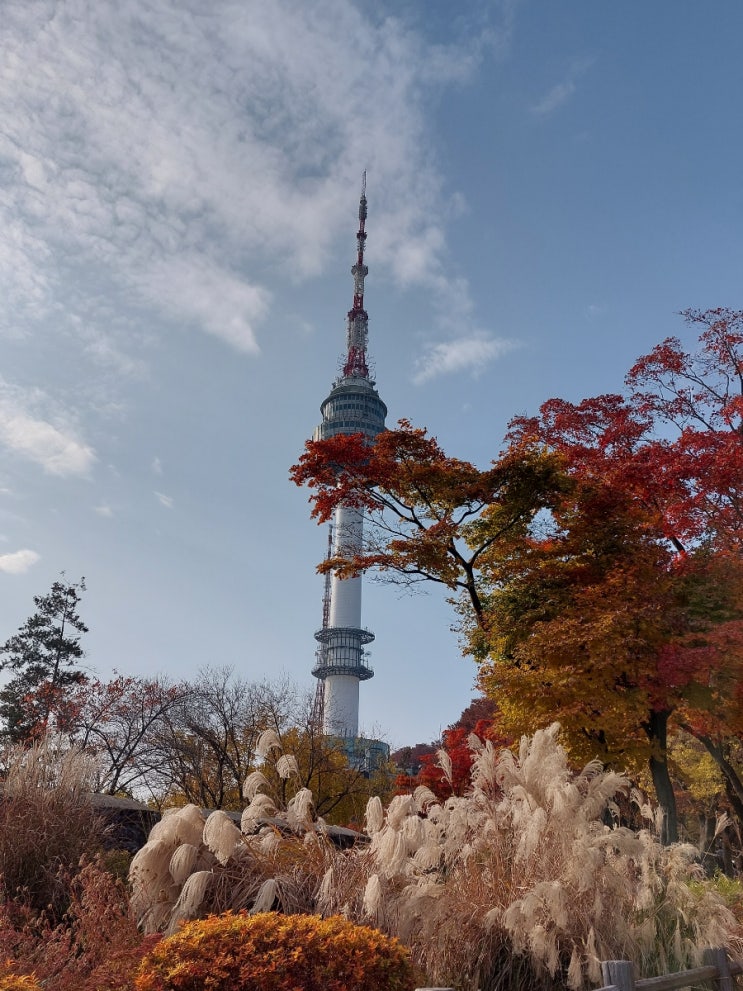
(548, 184)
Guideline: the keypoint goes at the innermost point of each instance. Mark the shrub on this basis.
(47, 823)
(95, 947)
(12, 981)
(271, 952)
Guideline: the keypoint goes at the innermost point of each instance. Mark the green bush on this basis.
(271, 952)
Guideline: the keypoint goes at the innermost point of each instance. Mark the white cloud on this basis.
(50, 441)
(219, 302)
(165, 500)
(466, 354)
(18, 562)
(181, 157)
(157, 466)
(561, 92)
(105, 511)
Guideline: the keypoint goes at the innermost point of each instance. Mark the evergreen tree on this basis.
(42, 656)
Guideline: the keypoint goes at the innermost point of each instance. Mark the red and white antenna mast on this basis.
(355, 365)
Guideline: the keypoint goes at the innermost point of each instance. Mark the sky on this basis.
(548, 185)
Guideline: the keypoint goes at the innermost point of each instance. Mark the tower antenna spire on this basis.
(357, 333)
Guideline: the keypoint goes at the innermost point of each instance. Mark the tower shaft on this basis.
(353, 406)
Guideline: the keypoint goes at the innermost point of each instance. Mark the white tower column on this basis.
(352, 407)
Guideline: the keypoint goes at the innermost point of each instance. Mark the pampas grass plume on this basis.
(286, 766)
(191, 898)
(182, 862)
(261, 807)
(374, 815)
(184, 825)
(253, 783)
(268, 740)
(372, 896)
(400, 807)
(222, 836)
(299, 809)
(423, 797)
(264, 900)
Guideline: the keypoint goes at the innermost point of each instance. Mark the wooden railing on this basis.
(619, 975)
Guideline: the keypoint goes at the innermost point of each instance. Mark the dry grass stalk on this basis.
(47, 822)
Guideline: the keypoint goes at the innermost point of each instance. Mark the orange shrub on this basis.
(271, 952)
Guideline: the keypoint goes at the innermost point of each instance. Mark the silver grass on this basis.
(372, 897)
(191, 899)
(593, 963)
(268, 740)
(286, 766)
(299, 809)
(264, 900)
(443, 760)
(324, 893)
(253, 783)
(400, 807)
(261, 807)
(269, 841)
(450, 883)
(374, 815)
(182, 862)
(222, 836)
(390, 851)
(423, 797)
(414, 832)
(427, 857)
(183, 825)
(575, 971)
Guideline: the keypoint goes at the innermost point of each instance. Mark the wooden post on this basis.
(620, 973)
(717, 957)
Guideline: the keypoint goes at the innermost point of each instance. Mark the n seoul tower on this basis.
(353, 406)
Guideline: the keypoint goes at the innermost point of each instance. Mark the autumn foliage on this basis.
(596, 563)
(270, 952)
(10, 980)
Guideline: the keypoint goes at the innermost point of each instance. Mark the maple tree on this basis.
(433, 517)
(588, 558)
(445, 767)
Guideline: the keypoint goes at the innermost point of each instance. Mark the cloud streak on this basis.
(465, 354)
(50, 440)
(563, 91)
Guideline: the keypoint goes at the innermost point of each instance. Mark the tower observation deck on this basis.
(353, 406)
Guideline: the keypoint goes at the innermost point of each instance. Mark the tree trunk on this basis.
(657, 731)
(733, 784)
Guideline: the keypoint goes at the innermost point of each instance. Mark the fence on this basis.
(619, 975)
